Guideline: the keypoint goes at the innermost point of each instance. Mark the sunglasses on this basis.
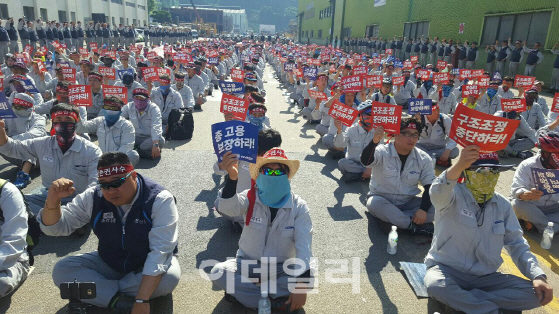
(272, 172)
(114, 184)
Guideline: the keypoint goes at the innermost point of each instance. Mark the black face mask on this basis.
(65, 134)
(127, 79)
(108, 62)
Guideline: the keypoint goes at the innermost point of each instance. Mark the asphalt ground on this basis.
(343, 232)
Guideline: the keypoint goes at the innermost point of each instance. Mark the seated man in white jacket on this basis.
(14, 259)
(167, 99)
(278, 226)
(26, 125)
(185, 91)
(434, 137)
(114, 133)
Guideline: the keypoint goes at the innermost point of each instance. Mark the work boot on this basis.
(22, 180)
(525, 154)
(352, 177)
(427, 228)
(336, 154)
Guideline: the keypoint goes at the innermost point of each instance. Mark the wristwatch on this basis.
(156, 144)
(141, 301)
(541, 277)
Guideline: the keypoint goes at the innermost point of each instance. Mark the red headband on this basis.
(257, 109)
(58, 88)
(114, 170)
(411, 125)
(23, 103)
(164, 81)
(95, 76)
(66, 113)
(178, 79)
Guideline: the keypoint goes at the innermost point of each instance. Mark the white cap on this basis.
(264, 294)
(394, 228)
(550, 224)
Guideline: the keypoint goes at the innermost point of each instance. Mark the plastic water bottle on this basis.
(264, 305)
(547, 236)
(434, 160)
(392, 241)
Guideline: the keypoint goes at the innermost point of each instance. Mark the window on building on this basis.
(528, 27)
(130, 4)
(117, 1)
(44, 15)
(73, 16)
(319, 33)
(145, 23)
(4, 11)
(113, 20)
(121, 20)
(312, 34)
(416, 30)
(321, 14)
(134, 22)
(62, 16)
(347, 32)
(29, 13)
(127, 22)
(371, 31)
(143, 7)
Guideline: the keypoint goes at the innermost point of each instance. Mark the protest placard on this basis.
(231, 87)
(483, 82)
(69, 74)
(310, 72)
(420, 105)
(360, 70)
(414, 59)
(120, 73)
(352, 83)
(345, 114)
(26, 83)
(237, 106)
(107, 72)
(441, 78)
(150, 74)
(524, 81)
(386, 115)
(515, 104)
(319, 96)
(237, 75)
(374, 81)
(470, 90)
(398, 80)
(441, 64)
(6, 111)
(546, 180)
(80, 95)
(472, 127)
(117, 91)
(238, 137)
(555, 105)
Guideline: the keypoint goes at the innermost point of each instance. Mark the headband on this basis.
(66, 113)
(410, 125)
(256, 110)
(178, 79)
(114, 170)
(59, 88)
(164, 81)
(95, 76)
(23, 103)
(109, 104)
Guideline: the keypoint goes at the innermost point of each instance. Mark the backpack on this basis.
(33, 227)
(181, 124)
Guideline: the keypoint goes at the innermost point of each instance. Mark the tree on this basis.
(161, 16)
(152, 6)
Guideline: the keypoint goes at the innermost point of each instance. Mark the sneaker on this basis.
(197, 107)
(525, 154)
(427, 228)
(314, 121)
(231, 299)
(352, 177)
(209, 93)
(22, 180)
(502, 154)
(336, 154)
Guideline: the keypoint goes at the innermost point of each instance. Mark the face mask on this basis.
(491, 92)
(481, 184)
(505, 88)
(127, 79)
(141, 104)
(446, 90)
(108, 63)
(530, 100)
(550, 160)
(180, 85)
(23, 113)
(364, 123)
(428, 85)
(65, 134)
(18, 88)
(164, 89)
(406, 79)
(273, 191)
(111, 116)
(259, 122)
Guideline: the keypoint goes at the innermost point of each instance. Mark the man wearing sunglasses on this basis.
(398, 168)
(474, 223)
(136, 222)
(528, 202)
(278, 227)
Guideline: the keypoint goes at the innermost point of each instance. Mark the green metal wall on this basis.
(444, 18)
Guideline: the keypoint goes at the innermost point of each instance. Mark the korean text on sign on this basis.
(120, 92)
(524, 81)
(352, 83)
(555, 106)
(374, 81)
(320, 96)
(515, 104)
(6, 111)
(386, 115)
(472, 127)
(150, 74)
(470, 90)
(237, 106)
(310, 72)
(107, 72)
(422, 106)
(238, 137)
(231, 87)
(80, 95)
(345, 114)
(546, 180)
(237, 75)
(441, 78)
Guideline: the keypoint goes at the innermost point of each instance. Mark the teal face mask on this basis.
(273, 191)
(111, 116)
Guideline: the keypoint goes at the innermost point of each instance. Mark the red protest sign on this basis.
(360, 70)
(352, 83)
(441, 78)
(28, 49)
(374, 81)
(69, 74)
(237, 75)
(377, 60)
(151, 55)
(56, 45)
(414, 59)
(483, 82)
(472, 127)
(332, 69)
(167, 49)
(523, 81)
(465, 74)
(237, 106)
(41, 66)
(298, 72)
(441, 64)
(407, 65)
(117, 91)
(321, 96)
(388, 52)
(312, 61)
(163, 71)
(345, 114)
(476, 74)
(110, 53)
(398, 80)
(107, 72)
(80, 95)
(84, 53)
(150, 74)
(182, 57)
(555, 106)
(470, 90)
(423, 74)
(387, 116)
(350, 61)
(515, 104)
(213, 54)
(93, 46)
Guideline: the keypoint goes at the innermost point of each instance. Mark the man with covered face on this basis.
(63, 155)
(26, 125)
(529, 203)
(474, 223)
(398, 168)
(196, 84)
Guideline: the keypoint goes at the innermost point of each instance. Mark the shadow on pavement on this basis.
(160, 305)
(61, 246)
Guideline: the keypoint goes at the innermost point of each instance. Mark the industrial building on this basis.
(229, 19)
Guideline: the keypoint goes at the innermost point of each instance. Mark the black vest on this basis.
(66, 32)
(80, 32)
(49, 34)
(424, 48)
(463, 53)
(399, 45)
(417, 47)
(74, 33)
(472, 53)
(532, 57)
(41, 33)
(515, 55)
(556, 64)
(448, 51)
(4, 34)
(393, 45)
(433, 48)
(60, 35)
(124, 247)
(490, 56)
(23, 34)
(99, 32)
(32, 35)
(408, 48)
(12, 32)
(502, 54)
(441, 51)
(106, 33)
